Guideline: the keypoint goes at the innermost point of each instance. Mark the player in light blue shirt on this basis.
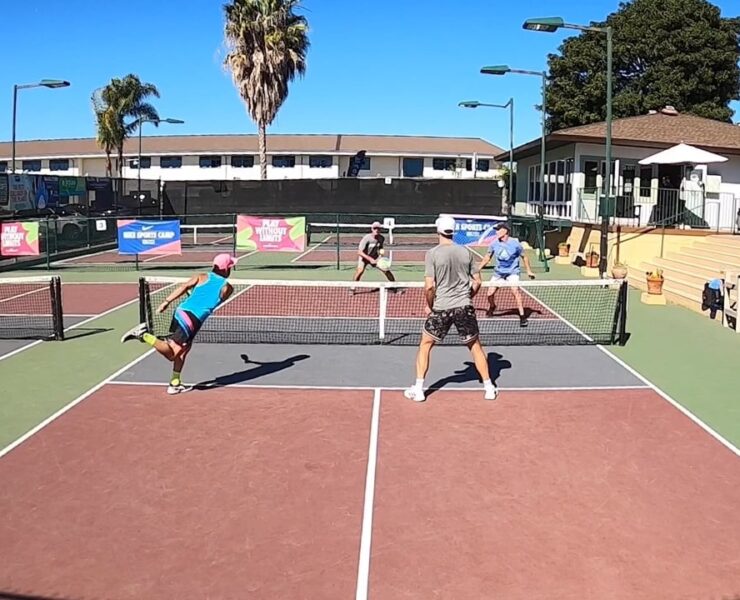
(507, 251)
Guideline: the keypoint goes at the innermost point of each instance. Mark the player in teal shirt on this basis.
(206, 291)
(508, 251)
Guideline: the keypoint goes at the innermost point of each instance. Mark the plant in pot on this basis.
(592, 259)
(564, 249)
(655, 281)
(619, 270)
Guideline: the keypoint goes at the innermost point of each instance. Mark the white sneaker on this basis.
(178, 389)
(491, 393)
(414, 393)
(134, 333)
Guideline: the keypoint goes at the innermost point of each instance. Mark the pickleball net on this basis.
(330, 312)
(31, 308)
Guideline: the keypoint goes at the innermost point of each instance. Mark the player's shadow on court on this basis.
(496, 364)
(261, 369)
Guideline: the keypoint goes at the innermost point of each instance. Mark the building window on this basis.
(242, 161)
(286, 161)
(591, 171)
(3, 166)
(209, 162)
(31, 165)
(444, 164)
(59, 164)
(646, 181)
(320, 161)
(483, 165)
(146, 162)
(170, 162)
(365, 165)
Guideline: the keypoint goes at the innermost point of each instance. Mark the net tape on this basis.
(31, 308)
(339, 312)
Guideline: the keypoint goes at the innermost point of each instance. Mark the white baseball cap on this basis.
(445, 224)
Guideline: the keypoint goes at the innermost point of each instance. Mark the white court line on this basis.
(311, 249)
(162, 256)
(397, 389)
(238, 258)
(72, 404)
(77, 258)
(75, 326)
(363, 567)
(21, 295)
(677, 405)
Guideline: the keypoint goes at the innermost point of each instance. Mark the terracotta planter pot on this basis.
(619, 271)
(655, 285)
(564, 251)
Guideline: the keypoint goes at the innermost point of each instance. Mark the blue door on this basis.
(413, 167)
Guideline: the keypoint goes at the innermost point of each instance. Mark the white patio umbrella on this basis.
(683, 154)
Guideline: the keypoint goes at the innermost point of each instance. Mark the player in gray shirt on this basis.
(451, 281)
(369, 251)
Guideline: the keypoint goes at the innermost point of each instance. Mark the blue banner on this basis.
(475, 231)
(148, 237)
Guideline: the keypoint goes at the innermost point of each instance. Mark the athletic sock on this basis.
(175, 380)
(488, 384)
(149, 338)
(419, 384)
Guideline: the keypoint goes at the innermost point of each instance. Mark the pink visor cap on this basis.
(224, 262)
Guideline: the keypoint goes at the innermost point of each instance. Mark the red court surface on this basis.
(96, 298)
(330, 256)
(259, 493)
(112, 257)
(215, 495)
(326, 301)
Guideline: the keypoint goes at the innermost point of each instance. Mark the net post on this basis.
(623, 294)
(143, 301)
(56, 304)
(233, 233)
(48, 246)
(382, 311)
(338, 244)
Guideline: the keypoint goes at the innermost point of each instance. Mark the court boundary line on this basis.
(311, 249)
(391, 388)
(664, 395)
(54, 416)
(66, 329)
(64, 261)
(366, 532)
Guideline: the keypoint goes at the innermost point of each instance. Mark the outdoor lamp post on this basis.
(550, 25)
(510, 106)
(47, 83)
(140, 121)
(503, 70)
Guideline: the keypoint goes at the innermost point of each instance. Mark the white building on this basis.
(226, 157)
(645, 194)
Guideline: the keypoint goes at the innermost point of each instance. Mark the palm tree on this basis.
(267, 45)
(121, 100)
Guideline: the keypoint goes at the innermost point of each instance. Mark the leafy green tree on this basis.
(681, 53)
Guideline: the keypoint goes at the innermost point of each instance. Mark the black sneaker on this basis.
(523, 321)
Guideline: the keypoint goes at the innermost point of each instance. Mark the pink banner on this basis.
(267, 234)
(19, 239)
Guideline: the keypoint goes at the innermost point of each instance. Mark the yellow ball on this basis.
(382, 251)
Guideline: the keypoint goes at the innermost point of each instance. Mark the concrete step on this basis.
(699, 271)
(728, 241)
(719, 251)
(695, 258)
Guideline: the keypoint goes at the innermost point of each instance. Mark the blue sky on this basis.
(378, 67)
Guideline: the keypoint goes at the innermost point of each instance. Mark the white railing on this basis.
(552, 209)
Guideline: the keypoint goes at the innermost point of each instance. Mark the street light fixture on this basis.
(550, 25)
(503, 70)
(510, 106)
(140, 121)
(47, 83)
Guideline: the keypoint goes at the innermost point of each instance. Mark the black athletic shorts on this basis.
(183, 327)
(439, 322)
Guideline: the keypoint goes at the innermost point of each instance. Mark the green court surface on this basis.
(693, 360)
